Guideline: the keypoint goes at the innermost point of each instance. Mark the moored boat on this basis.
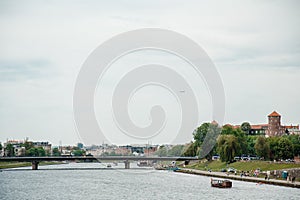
(221, 183)
(175, 168)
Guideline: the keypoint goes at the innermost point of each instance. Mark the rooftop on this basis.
(274, 114)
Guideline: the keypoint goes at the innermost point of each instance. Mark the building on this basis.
(259, 129)
(274, 125)
(45, 145)
(293, 130)
(80, 145)
(273, 128)
(19, 151)
(20, 146)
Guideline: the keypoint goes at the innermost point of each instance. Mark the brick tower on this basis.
(274, 126)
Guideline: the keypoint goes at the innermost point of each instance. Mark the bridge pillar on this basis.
(35, 165)
(127, 164)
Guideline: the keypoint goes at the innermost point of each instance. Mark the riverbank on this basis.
(8, 165)
(217, 165)
(239, 178)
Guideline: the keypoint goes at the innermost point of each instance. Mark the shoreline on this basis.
(25, 164)
(237, 177)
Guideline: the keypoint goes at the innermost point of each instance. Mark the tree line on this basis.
(230, 142)
(31, 150)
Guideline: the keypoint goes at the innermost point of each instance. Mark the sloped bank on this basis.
(235, 177)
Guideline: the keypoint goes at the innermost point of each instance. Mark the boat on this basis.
(220, 183)
(175, 168)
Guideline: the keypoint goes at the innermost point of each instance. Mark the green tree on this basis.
(295, 139)
(246, 127)
(162, 151)
(190, 150)
(285, 148)
(262, 148)
(28, 145)
(250, 144)
(56, 152)
(273, 143)
(228, 147)
(0, 146)
(208, 147)
(32, 152)
(296, 149)
(242, 140)
(78, 152)
(36, 151)
(9, 150)
(240, 136)
(41, 151)
(200, 133)
(176, 150)
(227, 130)
(205, 137)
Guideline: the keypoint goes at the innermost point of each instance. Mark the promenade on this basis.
(238, 177)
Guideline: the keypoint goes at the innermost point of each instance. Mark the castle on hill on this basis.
(273, 128)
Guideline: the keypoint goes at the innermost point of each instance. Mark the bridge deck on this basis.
(64, 158)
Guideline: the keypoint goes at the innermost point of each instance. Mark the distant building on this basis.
(80, 145)
(293, 130)
(259, 129)
(19, 151)
(122, 151)
(45, 145)
(13, 142)
(19, 148)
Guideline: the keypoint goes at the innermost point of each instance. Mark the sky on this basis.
(254, 45)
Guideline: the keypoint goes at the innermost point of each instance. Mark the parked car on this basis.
(223, 170)
(232, 170)
(289, 160)
(237, 158)
(254, 157)
(216, 157)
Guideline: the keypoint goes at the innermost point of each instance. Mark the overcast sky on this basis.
(255, 45)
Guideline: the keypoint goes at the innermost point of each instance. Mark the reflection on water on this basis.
(118, 183)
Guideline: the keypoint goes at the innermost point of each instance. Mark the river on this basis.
(87, 181)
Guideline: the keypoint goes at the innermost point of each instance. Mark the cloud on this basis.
(24, 70)
(254, 44)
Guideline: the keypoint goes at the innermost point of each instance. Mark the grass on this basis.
(6, 165)
(242, 166)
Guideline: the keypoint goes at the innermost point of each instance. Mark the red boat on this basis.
(220, 183)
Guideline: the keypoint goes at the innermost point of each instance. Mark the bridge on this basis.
(36, 160)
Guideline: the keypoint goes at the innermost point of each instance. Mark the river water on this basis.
(96, 181)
